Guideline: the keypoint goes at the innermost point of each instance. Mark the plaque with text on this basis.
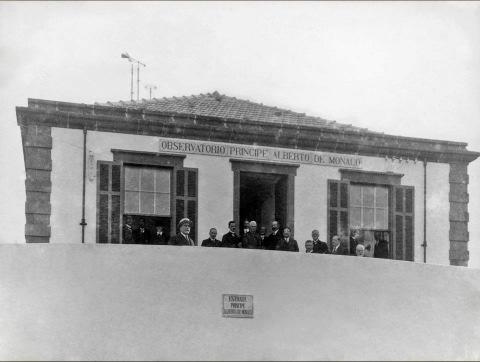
(258, 153)
(237, 306)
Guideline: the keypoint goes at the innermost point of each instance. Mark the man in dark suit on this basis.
(246, 228)
(381, 246)
(128, 231)
(212, 241)
(287, 243)
(141, 235)
(354, 241)
(252, 240)
(159, 238)
(272, 240)
(262, 235)
(230, 239)
(319, 246)
(183, 238)
(339, 247)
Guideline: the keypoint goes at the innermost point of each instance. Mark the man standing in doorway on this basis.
(287, 243)
(230, 239)
(263, 231)
(246, 228)
(252, 240)
(183, 237)
(272, 240)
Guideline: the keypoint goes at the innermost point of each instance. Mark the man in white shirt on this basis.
(309, 246)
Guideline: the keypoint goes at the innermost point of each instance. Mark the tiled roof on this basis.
(218, 105)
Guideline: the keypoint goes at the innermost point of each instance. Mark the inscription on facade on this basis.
(237, 306)
(259, 153)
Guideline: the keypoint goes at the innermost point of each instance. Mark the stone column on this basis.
(458, 197)
(37, 148)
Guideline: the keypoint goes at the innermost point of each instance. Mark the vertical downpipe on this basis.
(424, 211)
(83, 223)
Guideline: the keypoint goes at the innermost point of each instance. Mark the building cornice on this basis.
(240, 131)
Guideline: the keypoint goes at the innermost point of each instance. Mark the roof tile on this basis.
(218, 105)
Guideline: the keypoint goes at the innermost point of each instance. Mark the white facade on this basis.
(215, 185)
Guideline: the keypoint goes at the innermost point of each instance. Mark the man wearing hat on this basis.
(182, 238)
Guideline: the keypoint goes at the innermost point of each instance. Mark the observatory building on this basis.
(214, 158)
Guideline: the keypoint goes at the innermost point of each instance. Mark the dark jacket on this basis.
(381, 250)
(230, 240)
(290, 246)
(211, 243)
(140, 237)
(127, 234)
(179, 239)
(271, 241)
(320, 247)
(341, 250)
(353, 245)
(159, 239)
(252, 241)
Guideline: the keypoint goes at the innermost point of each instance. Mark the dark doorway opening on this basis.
(263, 198)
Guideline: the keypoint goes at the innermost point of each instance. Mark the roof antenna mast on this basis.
(139, 63)
(150, 87)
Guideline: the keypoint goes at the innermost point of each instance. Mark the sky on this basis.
(402, 68)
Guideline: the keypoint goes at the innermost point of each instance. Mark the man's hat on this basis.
(184, 221)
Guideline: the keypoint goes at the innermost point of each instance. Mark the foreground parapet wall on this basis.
(98, 302)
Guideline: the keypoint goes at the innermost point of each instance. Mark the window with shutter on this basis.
(186, 198)
(337, 215)
(403, 223)
(108, 202)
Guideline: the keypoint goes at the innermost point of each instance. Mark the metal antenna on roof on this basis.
(150, 87)
(139, 63)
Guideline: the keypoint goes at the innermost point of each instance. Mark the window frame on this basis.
(393, 182)
(122, 199)
(388, 207)
(173, 162)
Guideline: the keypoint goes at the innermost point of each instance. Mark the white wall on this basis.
(311, 201)
(216, 191)
(438, 211)
(66, 197)
(136, 302)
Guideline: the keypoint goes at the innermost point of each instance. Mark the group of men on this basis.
(282, 240)
(251, 239)
(142, 234)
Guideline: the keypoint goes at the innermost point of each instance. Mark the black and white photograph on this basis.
(169, 168)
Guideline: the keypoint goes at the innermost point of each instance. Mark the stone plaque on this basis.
(237, 306)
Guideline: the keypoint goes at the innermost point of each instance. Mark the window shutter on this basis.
(403, 223)
(337, 216)
(108, 202)
(186, 198)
